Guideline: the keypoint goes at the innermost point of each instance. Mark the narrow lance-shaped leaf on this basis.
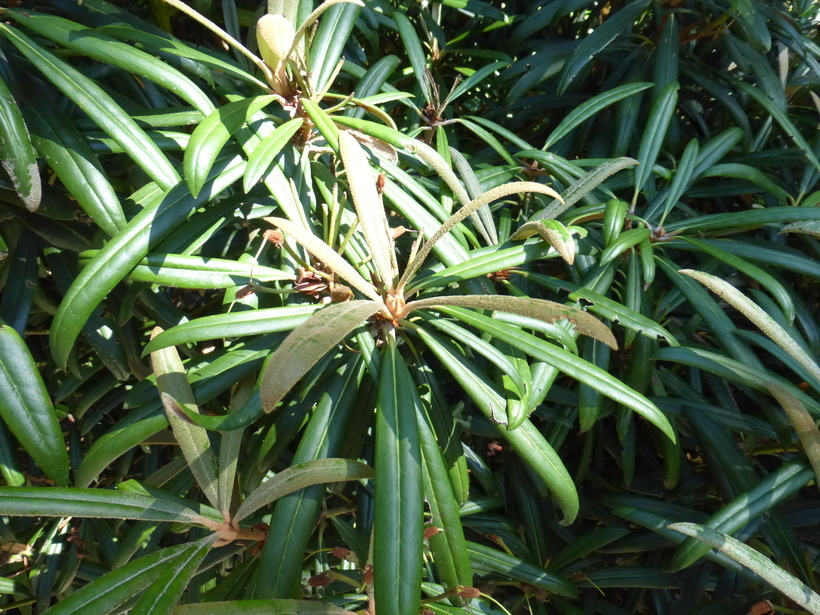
(108, 593)
(398, 522)
(94, 503)
(175, 391)
(657, 125)
(260, 607)
(369, 207)
(99, 106)
(17, 154)
(26, 408)
(548, 311)
(211, 136)
(760, 318)
(164, 592)
(586, 110)
(303, 348)
(756, 562)
(300, 476)
(326, 255)
(262, 156)
(486, 198)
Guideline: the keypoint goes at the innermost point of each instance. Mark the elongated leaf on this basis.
(617, 23)
(776, 487)
(265, 152)
(398, 522)
(516, 568)
(584, 111)
(656, 128)
(164, 592)
(331, 36)
(781, 118)
(121, 254)
(95, 503)
(175, 391)
(326, 255)
(108, 593)
(99, 106)
(415, 54)
(756, 562)
(569, 364)
(17, 154)
(182, 271)
(254, 322)
(26, 409)
(448, 545)
(299, 476)
(369, 208)
(548, 311)
(99, 46)
(211, 136)
(260, 607)
(72, 160)
(308, 343)
(760, 318)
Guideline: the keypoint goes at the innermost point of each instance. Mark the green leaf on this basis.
(263, 155)
(758, 563)
(599, 39)
(26, 408)
(211, 136)
(121, 254)
(781, 118)
(176, 394)
(165, 591)
(299, 476)
(625, 241)
(108, 593)
(776, 487)
(586, 110)
(448, 545)
(520, 570)
(415, 54)
(308, 343)
(333, 32)
(93, 503)
(17, 154)
(657, 125)
(99, 106)
(750, 174)
(398, 536)
(218, 326)
(260, 607)
(567, 363)
(72, 160)
(197, 272)
(99, 46)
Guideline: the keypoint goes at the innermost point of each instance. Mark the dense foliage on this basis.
(395, 307)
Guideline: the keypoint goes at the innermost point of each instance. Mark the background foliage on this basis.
(436, 307)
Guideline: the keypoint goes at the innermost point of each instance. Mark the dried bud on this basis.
(340, 293)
